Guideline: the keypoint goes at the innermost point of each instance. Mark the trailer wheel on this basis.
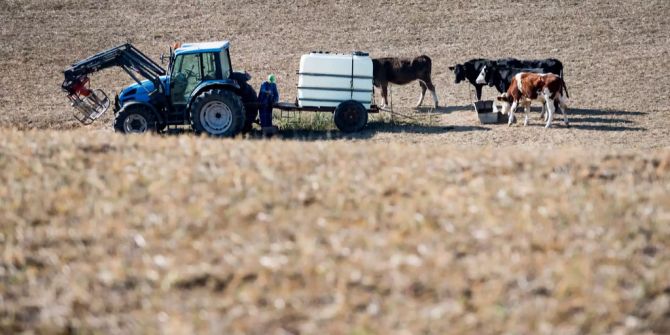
(135, 119)
(217, 112)
(350, 116)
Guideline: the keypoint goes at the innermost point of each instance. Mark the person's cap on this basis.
(272, 78)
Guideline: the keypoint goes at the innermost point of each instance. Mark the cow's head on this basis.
(506, 101)
(459, 72)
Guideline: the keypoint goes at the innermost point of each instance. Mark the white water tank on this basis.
(326, 80)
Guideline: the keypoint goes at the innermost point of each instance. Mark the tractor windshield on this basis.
(185, 77)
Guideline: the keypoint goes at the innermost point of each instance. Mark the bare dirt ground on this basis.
(447, 227)
(615, 54)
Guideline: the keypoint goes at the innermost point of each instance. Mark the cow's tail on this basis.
(565, 88)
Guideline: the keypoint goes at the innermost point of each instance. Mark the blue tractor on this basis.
(199, 88)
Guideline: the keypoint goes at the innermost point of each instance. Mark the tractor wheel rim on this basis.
(216, 117)
(135, 123)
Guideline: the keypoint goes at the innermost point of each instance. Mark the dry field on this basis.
(442, 228)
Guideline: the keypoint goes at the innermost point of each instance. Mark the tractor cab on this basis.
(193, 64)
(190, 66)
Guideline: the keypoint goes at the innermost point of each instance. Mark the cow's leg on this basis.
(478, 91)
(384, 94)
(431, 87)
(423, 93)
(550, 107)
(511, 113)
(526, 110)
(564, 110)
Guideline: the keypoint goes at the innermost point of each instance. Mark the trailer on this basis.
(341, 84)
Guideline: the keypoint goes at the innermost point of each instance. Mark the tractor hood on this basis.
(137, 92)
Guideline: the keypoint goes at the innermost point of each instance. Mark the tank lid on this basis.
(360, 53)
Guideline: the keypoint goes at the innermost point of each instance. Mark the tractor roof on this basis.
(202, 47)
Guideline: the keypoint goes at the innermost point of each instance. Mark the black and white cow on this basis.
(469, 71)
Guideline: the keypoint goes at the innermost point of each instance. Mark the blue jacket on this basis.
(268, 94)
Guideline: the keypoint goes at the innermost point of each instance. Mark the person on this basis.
(268, 95)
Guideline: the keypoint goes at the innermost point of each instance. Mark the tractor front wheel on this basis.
(217, 112)
(135, 120)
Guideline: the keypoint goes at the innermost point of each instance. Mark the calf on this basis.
(527, 87)
(401, 71)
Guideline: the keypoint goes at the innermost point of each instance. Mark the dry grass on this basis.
(179, 235)
(448, 227)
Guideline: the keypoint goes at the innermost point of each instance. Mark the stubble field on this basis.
(440, 227)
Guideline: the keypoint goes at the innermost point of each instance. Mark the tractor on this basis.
(199, 89)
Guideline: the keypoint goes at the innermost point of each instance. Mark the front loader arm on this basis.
(91, 104)
(126, 56)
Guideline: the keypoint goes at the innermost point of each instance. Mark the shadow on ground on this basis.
(443, 109)
(370, 131)
(590, 111)
(597, 119)
(594, 119)
(580, 118)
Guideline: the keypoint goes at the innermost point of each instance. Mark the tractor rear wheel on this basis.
(135, 119)
(217, 112)
(350, 116)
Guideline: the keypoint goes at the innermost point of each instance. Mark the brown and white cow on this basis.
(527, 87)
(401, 71)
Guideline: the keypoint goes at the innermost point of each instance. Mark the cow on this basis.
(401, 71)
(471, 69)
(527, 87)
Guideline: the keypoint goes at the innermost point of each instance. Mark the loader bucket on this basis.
(88, 104)
(87, 109)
